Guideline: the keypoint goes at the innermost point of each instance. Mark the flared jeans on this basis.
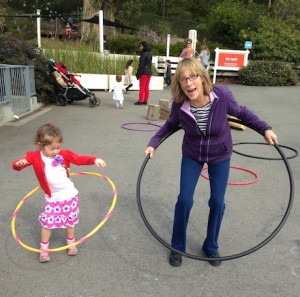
(218, 178)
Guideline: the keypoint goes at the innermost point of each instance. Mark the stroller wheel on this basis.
(98, 101)
(92, 102)
(61, 100)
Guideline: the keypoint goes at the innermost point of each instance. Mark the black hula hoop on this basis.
(124, 126)
(265, 158)
(224, 258)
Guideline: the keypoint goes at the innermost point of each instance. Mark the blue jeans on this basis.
(218, 178)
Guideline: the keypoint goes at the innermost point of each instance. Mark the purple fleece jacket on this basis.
(216, 145)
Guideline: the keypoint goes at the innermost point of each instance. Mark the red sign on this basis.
(231, 60)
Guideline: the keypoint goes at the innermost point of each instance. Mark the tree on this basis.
(111, 10)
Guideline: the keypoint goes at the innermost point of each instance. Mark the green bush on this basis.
(268, 73)
(124, 44)
(17, 52)
(129, 45)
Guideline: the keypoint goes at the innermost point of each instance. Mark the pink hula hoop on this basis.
(237, 183)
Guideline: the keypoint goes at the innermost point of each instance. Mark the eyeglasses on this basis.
(184, 80)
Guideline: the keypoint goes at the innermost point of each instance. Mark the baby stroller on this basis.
(70, 88)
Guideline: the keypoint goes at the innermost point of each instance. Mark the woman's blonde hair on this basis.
(195, 67)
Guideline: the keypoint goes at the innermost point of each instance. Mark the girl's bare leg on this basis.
(45, 235)
(44, 245)
(70, 232)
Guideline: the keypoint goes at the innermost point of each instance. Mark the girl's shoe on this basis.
(44, 257)
(72, 251)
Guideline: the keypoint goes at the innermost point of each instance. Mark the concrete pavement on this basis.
(122, 258)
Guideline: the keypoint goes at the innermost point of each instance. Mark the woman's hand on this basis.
(150, 150)
(99, 162)
(270, 137)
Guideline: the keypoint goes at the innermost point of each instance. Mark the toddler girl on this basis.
(51, 165)
(118, 89)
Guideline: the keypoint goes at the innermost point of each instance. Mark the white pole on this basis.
(193, 36)
(38, 25)
(168, 46)
(216, 65)
(101, 30)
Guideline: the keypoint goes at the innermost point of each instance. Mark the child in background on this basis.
(68, 32)
(168, 73)
(128, 75)
(117, 90)
(51, 165)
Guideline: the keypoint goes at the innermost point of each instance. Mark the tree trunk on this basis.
(90, 8)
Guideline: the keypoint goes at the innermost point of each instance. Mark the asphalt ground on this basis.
(123, 258)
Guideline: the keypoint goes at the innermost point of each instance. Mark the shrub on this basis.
(268, 73)
(17, 52)
(124, 44)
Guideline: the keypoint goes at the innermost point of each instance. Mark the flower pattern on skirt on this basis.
(60, 214)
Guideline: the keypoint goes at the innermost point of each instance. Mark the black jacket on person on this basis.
(145, 63)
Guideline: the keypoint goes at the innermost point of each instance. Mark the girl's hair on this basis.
(129, 62)
(118, 78)
(195, 67)
(46, 134)
(204, 47)
(145, 45)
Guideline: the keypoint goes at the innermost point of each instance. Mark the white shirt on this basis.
(61, 187)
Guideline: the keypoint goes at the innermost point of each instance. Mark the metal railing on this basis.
(17, 86)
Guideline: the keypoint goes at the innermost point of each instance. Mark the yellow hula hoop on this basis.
(84, 238)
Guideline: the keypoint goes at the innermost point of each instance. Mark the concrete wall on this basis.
(6, 113)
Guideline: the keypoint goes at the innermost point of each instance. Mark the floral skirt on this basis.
(60, 214)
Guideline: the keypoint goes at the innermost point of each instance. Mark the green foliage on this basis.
(89, 62)
(230, 22)
(268, 73)
(17, 52)
(275, 40)
(275, 32)
(124, 44)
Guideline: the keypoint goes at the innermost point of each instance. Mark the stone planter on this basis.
(105, 81)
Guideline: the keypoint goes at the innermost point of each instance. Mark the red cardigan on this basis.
(34, 159)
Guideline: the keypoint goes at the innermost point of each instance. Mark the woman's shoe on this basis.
(214, 262)
(144, 103)
(138, 103)
(175, 259)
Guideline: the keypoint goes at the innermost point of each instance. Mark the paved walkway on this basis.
(123, 259)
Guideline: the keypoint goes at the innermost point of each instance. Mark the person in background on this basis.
(51, 165)
(201, 109)
(188, 51)
(128, 75)
(168, 73)
(204, 55)
(68, 32)
(144, 73)
(105, 45)
(118, 88)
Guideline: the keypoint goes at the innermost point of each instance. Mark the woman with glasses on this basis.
(201, 109)
(188, 51)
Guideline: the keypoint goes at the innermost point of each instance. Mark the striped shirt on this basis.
(201, 116)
